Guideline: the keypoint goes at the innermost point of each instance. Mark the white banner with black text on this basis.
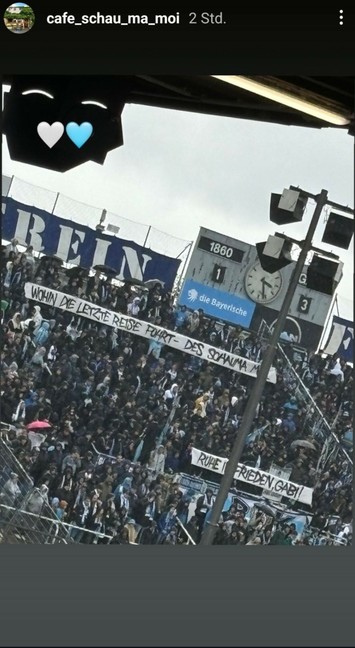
(254, 477)
(82, 308)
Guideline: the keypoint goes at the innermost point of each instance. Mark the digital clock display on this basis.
(220, 249)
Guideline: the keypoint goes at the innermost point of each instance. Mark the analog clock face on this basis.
(261, 286)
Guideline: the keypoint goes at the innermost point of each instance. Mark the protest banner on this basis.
(82, 308)
(284, 473)
(253, 476)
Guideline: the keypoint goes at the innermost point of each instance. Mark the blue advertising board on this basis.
(217, 303)
(81, 245)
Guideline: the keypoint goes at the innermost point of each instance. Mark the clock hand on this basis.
(266, 283)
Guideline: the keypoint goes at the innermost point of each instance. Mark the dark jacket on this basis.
(148, 536)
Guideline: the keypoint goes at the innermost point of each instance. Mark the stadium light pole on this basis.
(256, 393)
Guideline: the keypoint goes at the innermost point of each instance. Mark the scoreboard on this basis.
(225, 279)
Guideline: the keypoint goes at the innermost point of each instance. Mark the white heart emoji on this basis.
(50, 134)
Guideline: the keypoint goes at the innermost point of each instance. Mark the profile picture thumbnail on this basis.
(19, 18)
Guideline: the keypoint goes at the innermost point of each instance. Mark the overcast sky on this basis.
(178, 171)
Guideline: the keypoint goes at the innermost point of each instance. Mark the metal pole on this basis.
(186, 260)
(55, 202)
(254, 398)
(188, 246)
(10, 185)
(147, 236)
(180, 277)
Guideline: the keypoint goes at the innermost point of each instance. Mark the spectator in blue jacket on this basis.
(181, 316)
(291, 406)
(165, 523)
(288, 423)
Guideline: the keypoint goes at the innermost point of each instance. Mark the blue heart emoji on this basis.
(79, 134)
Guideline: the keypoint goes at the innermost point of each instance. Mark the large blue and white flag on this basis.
(83, 246)
(341, 339)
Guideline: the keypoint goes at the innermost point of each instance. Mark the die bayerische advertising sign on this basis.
(217, 303)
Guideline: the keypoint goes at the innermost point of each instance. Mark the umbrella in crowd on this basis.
(303, 443)
(265, 508)
(105, 269)
(52, 258)
(75, 271)
(135, 282)
(151, 283)
(38, 425)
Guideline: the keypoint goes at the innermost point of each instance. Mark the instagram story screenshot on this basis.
(177, 325)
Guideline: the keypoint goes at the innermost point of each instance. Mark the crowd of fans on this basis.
(146, 405)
